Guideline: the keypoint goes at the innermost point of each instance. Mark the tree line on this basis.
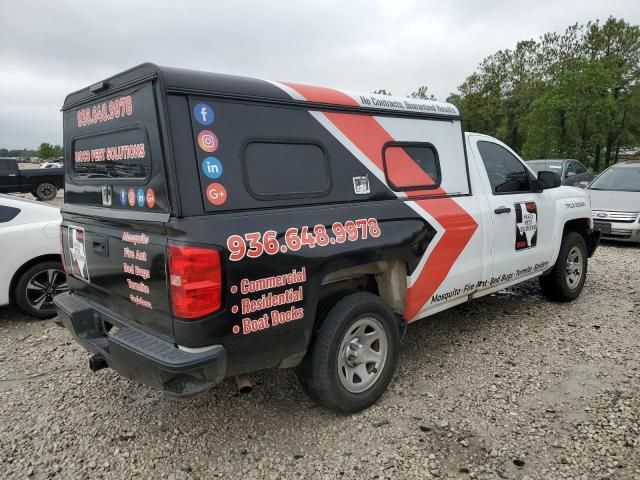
(565, 95)
(45, 151)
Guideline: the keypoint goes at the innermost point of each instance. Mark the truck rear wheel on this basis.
(565, 281)
(46, 191)
(354, 354)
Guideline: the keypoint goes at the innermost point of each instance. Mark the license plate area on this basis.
(603, 227)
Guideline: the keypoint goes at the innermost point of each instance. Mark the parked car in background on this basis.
(572, 172)
(52, 165)
(42, 184)
(615, 201)
(32, 272)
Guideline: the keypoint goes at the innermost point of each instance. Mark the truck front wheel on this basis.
(46, 191)
(565, 281)
(354, 354)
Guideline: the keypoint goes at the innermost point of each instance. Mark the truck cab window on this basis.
(6, 168)
(506, 173)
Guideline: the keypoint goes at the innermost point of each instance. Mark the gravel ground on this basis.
(510, 386)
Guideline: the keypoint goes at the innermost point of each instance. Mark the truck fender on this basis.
(573, 214)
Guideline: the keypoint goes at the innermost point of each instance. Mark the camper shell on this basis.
(175, 92)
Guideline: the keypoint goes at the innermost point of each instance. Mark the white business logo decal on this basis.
(526, 225)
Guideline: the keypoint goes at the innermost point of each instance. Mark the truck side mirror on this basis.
(548, 180)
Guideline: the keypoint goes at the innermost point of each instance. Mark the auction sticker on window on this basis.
(78, 253)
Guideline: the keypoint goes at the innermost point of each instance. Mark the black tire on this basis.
(556, 284)
(303, 371)
(319, 372)
(28, 294)
(46, 191)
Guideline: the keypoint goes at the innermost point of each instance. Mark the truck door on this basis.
(9, 176)
(522, 218)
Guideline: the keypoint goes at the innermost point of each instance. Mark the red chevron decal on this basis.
(366, 133)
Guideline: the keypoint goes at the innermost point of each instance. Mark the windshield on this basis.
(548, 165)
(618, 179)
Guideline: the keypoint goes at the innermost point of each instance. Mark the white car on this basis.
(52, 165)
(31, 270)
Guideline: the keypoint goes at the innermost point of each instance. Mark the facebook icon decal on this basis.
(212, 167)
(203, 114)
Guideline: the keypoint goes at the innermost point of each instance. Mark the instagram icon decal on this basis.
(208, 141)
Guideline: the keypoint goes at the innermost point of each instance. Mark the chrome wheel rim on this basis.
(362, 354)
(574, 268)
(43, 286)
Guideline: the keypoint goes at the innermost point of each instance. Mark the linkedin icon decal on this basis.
(212, 167)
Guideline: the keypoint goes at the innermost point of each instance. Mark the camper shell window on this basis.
(286, 169)
(411, 166)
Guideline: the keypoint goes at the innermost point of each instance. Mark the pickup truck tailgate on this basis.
(120, 268)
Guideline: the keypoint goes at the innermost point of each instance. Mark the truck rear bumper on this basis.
(139, 355)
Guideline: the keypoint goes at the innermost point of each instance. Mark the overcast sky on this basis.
(50, 48)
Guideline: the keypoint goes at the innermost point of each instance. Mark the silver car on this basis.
(572, 172)
(615, 201)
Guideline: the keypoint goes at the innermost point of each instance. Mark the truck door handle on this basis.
(100, 246)
(12, 175)
(500, 210)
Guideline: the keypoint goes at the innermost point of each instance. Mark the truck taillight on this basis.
(195, 280)
(64, 263)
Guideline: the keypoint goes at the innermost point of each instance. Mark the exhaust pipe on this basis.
(96, 363)
(244, 383)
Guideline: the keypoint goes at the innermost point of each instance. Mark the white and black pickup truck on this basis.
(216, 225)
